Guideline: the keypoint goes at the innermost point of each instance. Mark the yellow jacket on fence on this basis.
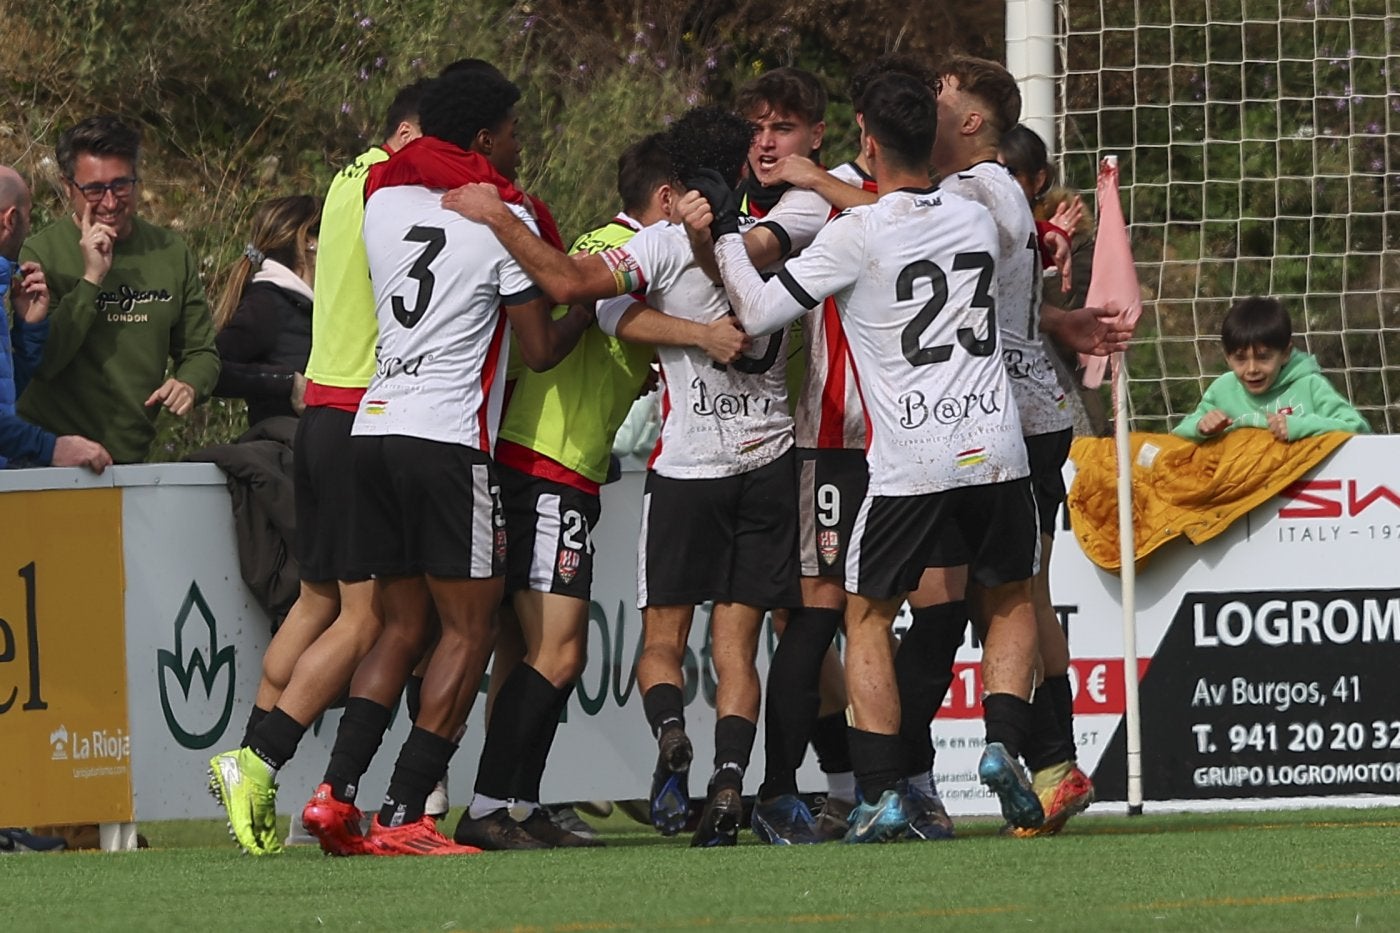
(1181, 487)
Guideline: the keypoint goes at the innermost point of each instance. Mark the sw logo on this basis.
(1335, 498)
(197, 718)
(58, 738)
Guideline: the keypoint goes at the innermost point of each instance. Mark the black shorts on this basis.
(1047, 454)
(426, 508)
(323, 477)
(995, 525)
(732, 539)
(550, 529)
(830, 488)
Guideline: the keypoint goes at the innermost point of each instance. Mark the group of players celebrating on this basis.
(446, 497)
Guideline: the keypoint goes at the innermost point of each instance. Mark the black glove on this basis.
(724, 204)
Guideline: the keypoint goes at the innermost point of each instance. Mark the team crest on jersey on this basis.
(500, 544)
(828, 545)
(568, 564)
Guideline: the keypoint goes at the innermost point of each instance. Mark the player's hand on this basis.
(1213, 422)
(799, 170)
(696, 215)
(32, 293)
(725, 341)
(724, 204)
(479, 202)
(1093, 331)
(175, 395)
(651, 382)
(75, 450)
(1278, 425)
(298, 393)
(96, 241)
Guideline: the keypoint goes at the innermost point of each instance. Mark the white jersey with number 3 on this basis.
(440, 283)
(1039, 396)
(914, 276)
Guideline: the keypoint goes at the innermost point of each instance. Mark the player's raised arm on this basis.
(761, 307)
(582, 277)
(804, 173)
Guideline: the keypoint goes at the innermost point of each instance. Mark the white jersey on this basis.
(1039, 396)
(795, 220)
(914, 277)
(828, 413)
(716, 420)
(440, 285)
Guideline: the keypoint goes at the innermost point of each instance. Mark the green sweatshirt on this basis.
(107, 347)
(1301, 392)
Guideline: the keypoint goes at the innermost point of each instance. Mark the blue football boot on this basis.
(881, 821)
(1005, 777)
(784, 821)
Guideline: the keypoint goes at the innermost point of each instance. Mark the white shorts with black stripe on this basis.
(993, 527)
(426, 507)
(550, 527)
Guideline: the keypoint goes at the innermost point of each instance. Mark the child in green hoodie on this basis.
(1270, 385)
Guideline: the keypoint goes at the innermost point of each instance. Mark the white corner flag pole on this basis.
(1128, 579)
(1127, 574)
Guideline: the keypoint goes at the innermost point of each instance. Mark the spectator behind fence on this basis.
(263, 316)
(21, 344)
(126, 298)
(1270, 385)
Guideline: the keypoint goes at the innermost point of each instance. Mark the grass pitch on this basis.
(1301, 870)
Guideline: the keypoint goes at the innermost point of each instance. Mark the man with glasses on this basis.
(125, 297)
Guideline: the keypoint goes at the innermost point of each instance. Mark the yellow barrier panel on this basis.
(63, 700)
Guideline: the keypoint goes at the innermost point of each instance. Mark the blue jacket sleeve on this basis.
(24, 444)
(28, 344)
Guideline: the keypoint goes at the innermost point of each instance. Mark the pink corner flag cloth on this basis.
(1113, 283)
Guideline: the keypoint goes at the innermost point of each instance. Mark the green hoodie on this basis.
(107, 346)
(1301, 392)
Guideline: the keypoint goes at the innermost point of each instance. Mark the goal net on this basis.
(1259, 145)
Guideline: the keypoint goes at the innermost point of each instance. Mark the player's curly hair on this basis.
(460, 104)
(709, 137)
(894, 63)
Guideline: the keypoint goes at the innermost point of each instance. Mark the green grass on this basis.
(1317, 869)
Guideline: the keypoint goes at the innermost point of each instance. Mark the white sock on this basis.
(841, 785)
(923, 783)
(482, 805)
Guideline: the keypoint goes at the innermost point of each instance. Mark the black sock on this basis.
(1063, 698)
(1045, 746)
(664, 704)
(413, 696)
(276, 738)
(422, 763)
(362, 728)
(879, 761)
(531, 771)
(255, 716)
(525, 701)
(923, 670)
(734, 737)
(1008, 719)
(830, 741)
(794, 696)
